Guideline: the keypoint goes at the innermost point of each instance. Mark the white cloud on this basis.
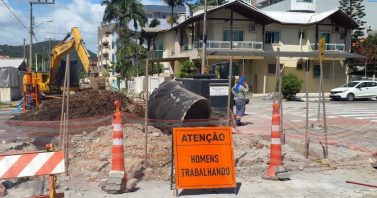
(11, 31)
(84, 14)
(152, 2)
(80, 13)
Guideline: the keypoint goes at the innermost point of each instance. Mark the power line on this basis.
(16, 17)
(11, 18)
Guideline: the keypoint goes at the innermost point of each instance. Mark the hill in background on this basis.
(42, 49)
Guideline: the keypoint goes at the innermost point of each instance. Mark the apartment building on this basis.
(161, 12)
(251, 38)
(107, 47)
(107, 35)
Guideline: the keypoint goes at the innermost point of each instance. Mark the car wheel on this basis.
(350, 96)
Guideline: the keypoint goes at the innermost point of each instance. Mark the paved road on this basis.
(360, 110)
(351, 124)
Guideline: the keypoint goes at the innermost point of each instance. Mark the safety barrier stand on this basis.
(34, 164)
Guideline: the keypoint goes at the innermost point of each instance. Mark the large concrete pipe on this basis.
(170, 101)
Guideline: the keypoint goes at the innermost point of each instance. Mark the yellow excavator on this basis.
(49, 82)
(39, 84)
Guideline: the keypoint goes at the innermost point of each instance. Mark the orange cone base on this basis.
(270, 175)
(116, 182)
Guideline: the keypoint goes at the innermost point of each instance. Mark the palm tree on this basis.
(147, 37)
(172, 4)
(123, 12)
(154, 23)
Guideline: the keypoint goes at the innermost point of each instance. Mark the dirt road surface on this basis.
(351, 152)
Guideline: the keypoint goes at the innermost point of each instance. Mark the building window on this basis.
(301, 34)
(299, 66)
(305, 1)
(317, 71)
(272, 37)
(237, 35)
(272, 68)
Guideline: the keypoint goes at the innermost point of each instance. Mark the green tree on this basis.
(172, 4)
(123, 12)
(154, 23)
(356, 10)
(291, 85)
(147, 37)
(210, 2)
(368, 48)
(187, 70)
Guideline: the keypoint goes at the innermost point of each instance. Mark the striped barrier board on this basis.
(31, 164)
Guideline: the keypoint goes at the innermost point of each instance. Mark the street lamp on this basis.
(31, 2)
(41, 23)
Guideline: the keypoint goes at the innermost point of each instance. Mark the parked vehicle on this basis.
(355, 89)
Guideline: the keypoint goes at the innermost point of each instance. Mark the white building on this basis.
(107, 47)
(320, 6)
(251, 37)
(11, 78)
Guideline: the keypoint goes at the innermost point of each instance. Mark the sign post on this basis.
(204, 158)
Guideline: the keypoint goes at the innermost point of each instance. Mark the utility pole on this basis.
(31, 2)
(31, 37)
(204, 45)
(36, 62)
(24, 49)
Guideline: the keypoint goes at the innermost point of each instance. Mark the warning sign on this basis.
(204, 158)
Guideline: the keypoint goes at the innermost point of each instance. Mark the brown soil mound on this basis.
(82, 104)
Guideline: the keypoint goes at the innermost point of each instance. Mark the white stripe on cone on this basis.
(117, 127)
(275, 141)
(36, 163)
(275, 128)
(117, 141)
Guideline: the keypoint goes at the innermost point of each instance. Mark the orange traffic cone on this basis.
(275, 149)
(116, 181)
(117, 150)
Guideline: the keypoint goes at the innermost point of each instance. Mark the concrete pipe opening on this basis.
(171, 101)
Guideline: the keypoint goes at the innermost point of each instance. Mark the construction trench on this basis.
(90, 149)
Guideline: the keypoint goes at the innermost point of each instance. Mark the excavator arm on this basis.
(62, 49)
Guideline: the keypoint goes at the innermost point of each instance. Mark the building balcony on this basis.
(157, 53)
(211, 44)
(331, 47)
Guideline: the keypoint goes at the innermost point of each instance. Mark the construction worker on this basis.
(239, 91)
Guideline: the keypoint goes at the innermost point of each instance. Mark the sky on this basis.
(64, 14)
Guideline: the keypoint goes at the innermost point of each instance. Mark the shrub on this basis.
(291, 85)
(187, 70)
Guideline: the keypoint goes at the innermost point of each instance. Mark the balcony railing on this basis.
(253, 45)
(331, 47)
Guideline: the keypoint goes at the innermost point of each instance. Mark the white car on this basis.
(355, 89)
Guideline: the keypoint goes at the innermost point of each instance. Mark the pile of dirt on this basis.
(82, 104)
(90, 153)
